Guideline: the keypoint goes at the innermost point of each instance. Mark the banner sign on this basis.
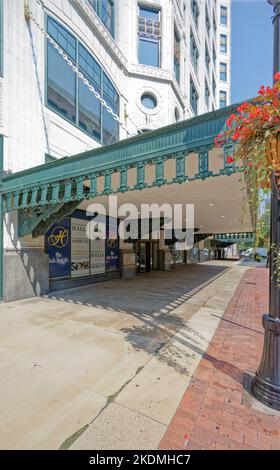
(57, 243)
(112, 246)
(73, 254)
(112, 254)
(97, 256)
(79, 248)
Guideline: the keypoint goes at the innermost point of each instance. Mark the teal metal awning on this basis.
(46, 193)
(74, 178)
(244, 237)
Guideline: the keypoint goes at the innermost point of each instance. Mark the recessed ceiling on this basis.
(220, 203)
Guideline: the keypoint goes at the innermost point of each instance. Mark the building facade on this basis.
(77, 75)
(153, 62)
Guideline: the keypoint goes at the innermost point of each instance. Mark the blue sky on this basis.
(252, 35)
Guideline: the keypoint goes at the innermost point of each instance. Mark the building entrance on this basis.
(147, 256)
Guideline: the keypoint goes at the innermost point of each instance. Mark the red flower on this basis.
(277, 76)
(230, 120)
(230, 159)
(236, 136)
(218, 140)
(250, 164)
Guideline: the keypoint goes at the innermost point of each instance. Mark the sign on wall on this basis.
(112, 245)
(97, 256)
(73, 254)
(79, 248)
(57, 240)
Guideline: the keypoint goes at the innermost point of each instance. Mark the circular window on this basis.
(148, 101)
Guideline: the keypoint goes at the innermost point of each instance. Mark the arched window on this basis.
(176, 114)
(70, 97)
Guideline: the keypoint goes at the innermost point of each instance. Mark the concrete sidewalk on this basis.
(105, 366)
(216, 412)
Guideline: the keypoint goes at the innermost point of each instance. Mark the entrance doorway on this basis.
(147, 256)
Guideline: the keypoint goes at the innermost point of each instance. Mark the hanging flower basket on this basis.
(254, 130)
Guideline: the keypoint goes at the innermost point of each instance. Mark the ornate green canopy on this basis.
(63, 180)
(43, 193)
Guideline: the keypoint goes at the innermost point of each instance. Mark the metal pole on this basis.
(266, 383)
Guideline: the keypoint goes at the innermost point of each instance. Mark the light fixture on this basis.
(211, 204)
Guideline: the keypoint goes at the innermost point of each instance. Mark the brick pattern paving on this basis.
(211, 414)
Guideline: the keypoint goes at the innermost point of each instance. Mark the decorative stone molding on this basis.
(102, 32)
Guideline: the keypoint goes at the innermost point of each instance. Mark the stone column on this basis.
(165, 256)
(128, 260)
(25, 264)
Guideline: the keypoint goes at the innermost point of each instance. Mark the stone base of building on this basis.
(61, 284)
(26, 274)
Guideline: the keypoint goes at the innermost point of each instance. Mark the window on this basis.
(149, 36)
(193, 96)
(207, 94)
(223, 15)
(214, 86)
(223, 99)
(214, 23)
(207, 19)
(214, 55)
(176, 115)
(223, 72)
(107, 15)
(61, 89)
(195, 11)
(223, 43)
(70, 97)
(89, 106)
(110, 125)
(105, 10)
(194, 51)
(207, 57)
(148, 101)
(176, 56)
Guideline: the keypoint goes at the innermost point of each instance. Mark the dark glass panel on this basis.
(61, 85)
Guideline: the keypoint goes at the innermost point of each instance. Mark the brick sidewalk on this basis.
(211, 414)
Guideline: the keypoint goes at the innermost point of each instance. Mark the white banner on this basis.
(97, 256)
(79, 248)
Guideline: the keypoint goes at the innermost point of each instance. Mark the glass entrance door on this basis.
(147, 256)
(154, 257)
(142, 257)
